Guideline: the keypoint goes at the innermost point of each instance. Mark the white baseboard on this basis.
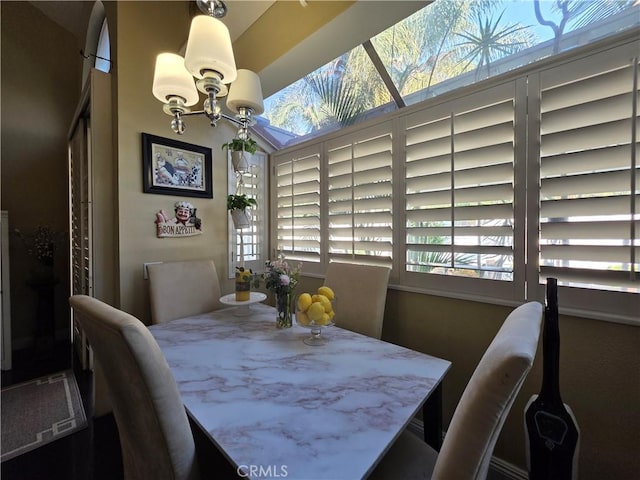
(498, 469)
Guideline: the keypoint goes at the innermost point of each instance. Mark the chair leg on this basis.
(432, 418)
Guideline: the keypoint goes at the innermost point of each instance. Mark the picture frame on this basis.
(171, 167)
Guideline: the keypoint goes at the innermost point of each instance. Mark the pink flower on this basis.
(279, 277)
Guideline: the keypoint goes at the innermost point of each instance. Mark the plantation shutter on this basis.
(360, 196)
(297, 185)
(253, 238)
(459, 194)
(589, 173)
(81, 198)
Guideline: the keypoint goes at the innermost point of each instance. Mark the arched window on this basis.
(97, 49)
(103, 51)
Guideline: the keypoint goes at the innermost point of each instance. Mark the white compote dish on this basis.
(316, 337)
(244, 306)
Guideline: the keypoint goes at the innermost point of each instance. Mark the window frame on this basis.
(303, 154)
(608, 305)
(259, 214)
(612, 306)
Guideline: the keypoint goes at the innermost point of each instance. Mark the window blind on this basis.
(459, 176)
(493, 189)
(360, 196)
(297, 204)
(589, 175)
(81, 211)
(253, 239)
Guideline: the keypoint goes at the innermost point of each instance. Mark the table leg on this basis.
(432, 418)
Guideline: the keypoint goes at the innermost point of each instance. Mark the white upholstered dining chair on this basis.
(361, 295)
(155, 436)
(478, 419)
(181, 289)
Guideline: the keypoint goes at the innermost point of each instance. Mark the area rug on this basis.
(38, 412)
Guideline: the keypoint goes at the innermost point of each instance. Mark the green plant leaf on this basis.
(238, 145)
(240, 202)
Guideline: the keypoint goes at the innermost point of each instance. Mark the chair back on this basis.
(361, 295)
(476, 423)
(182, 289)
(155, 436)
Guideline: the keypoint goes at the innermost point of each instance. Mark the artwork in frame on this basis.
(176, 168)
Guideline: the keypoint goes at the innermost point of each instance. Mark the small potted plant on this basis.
(241, 153)
(243, 284)
(237, 204)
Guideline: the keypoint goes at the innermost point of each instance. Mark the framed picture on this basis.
(176, 168)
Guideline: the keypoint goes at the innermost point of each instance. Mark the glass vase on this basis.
(285, 310)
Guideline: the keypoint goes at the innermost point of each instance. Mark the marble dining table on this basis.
(278, 408)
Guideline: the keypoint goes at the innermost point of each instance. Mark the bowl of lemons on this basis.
(315, 311)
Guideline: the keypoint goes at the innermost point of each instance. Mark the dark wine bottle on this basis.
(551, 428)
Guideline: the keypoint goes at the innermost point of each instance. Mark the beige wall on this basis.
(40, 90)
(142, 33)
(599, 374)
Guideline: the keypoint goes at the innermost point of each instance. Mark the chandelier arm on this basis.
(233, 119)
(194, 112)
(240, 123)
(222, 115)
(243, 124)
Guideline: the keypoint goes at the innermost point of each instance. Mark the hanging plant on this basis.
(238, 145)
(237, 206)
(240, 202)
(241, 153)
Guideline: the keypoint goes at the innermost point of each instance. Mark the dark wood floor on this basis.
(91, 453)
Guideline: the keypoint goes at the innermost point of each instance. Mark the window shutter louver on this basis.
(459, 187)
(81, 200)
(254, 237)
(297, 180)
(360, 196)
(495, 189)
(589, 205)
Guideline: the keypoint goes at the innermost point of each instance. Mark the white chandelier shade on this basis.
(171, 79)
(209, 58)
(246, 92)
(209, 49)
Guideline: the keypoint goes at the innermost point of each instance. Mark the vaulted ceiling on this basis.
(281, 40)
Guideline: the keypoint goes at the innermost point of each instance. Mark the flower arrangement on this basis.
(40, 244)
(282, 279)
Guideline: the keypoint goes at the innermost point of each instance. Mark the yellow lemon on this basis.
(324, 301)
(304, 301)
(302, 318)
(325, 320)
(315, 311)
(331, 315)
(327, 292)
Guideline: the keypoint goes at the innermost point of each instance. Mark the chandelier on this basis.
(209, 59)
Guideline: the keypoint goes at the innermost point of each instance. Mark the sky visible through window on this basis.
(444, 46)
